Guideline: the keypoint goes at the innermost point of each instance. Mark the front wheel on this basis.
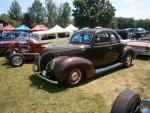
(74, 77)
(16, 60)
(127, 61)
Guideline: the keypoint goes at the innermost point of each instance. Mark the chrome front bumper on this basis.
(42, 77)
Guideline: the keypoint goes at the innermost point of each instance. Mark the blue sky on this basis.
(139, 9)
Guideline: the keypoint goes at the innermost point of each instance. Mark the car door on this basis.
(113, 49)
(100, 49)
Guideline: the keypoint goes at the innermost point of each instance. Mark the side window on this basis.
(113, 37)
(48, 37)
(102, 38)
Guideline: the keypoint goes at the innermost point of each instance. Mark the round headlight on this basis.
(44, 73)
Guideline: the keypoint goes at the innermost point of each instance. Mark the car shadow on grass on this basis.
(42, 84)
(143, 57)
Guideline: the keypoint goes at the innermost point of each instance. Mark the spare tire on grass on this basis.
(126, 102)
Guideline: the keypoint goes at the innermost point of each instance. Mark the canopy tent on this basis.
(57, 27)
(8, 28)
(40, 27)
(22, 28)
(1, 28)
(71, 27)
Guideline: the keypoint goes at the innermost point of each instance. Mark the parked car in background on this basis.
(123, 33)
(11, 38)
(130, 102)
(89, 52)
(140, 47)
(136, 33)
(27, 50)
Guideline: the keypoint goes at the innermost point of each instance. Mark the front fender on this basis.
(63, 64)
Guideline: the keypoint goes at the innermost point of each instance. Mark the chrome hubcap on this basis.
(17, 60)
(129, 60)
(75, 76)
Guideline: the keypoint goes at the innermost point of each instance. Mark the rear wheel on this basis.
(127, 61)
(126, 102)
(74, 77)
(16, 60)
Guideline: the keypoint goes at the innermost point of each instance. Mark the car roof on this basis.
(95, 30)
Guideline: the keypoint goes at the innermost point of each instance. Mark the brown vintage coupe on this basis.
(89, 52)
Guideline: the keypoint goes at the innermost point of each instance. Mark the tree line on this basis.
(49, 14)
(122, 23)
(86, 13)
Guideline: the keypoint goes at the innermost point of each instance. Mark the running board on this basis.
(108, 68)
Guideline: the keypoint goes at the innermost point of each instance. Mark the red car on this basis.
(10, 39)
(27, 50)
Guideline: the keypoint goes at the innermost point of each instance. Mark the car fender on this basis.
(64, 63)
(127, 49)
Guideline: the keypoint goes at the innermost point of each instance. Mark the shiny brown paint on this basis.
(64, 64)
(86, 57)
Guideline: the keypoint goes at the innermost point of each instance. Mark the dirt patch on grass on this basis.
(111, 84)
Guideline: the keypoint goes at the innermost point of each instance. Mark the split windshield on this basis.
(16, 36)
(81, 38)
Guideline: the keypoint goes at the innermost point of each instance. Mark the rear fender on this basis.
(63, 64)
(126, 50)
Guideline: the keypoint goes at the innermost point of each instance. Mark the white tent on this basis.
(71, 27)
(57, 27)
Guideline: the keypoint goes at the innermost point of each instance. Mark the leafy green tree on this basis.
(4, 16)
(114, 23)
(15, 11)
(37, 11)
(93, 13)
(143, 23)
(66, 12)
(125, 22)
(59, 15)
(51, 13)
(63, 15)
(27, 20)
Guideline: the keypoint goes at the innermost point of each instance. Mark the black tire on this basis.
(75, 74)
(13, 60)
(127, 61)
(126, 102)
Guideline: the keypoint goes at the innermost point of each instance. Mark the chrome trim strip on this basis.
(48, 65)
(41, 58)
(30, 53)
(50, 81)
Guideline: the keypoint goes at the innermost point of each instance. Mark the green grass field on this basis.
(23, 92)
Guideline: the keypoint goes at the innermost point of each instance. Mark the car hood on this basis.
(139, 43)
(64, 48)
